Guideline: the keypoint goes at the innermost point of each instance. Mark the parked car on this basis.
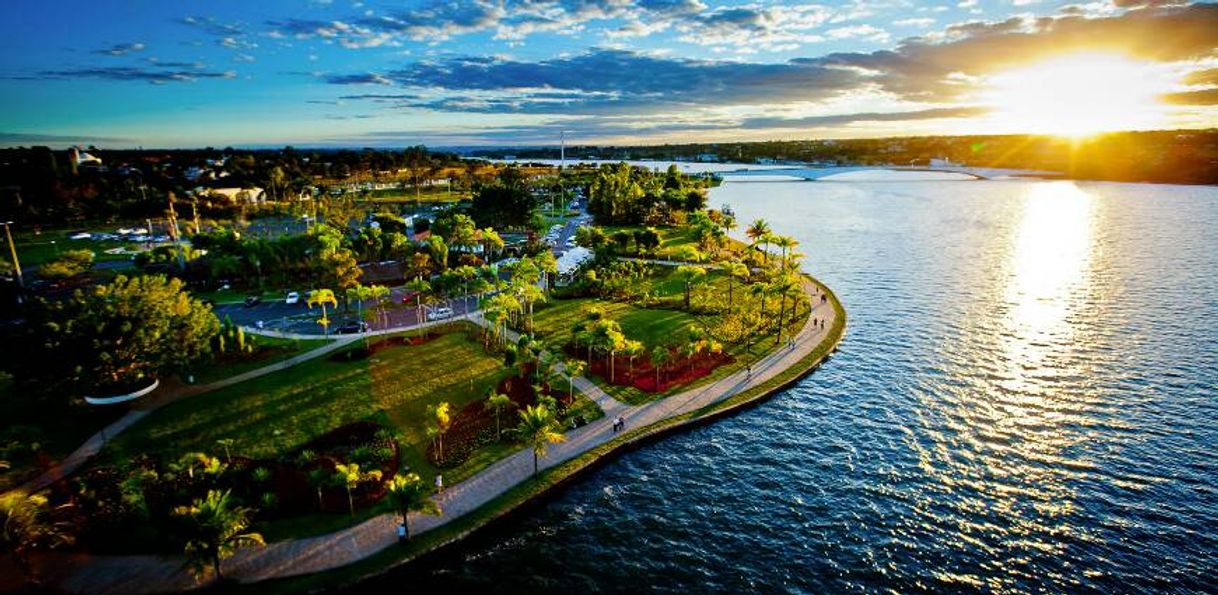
(440, 313)
(352, 327)
(252, 300)
(293, 298)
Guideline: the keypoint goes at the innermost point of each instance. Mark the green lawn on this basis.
(277, 350)
(665, 322)
(279, 412)
(36, 249)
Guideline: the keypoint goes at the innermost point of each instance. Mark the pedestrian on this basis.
(402, 532)
(258, 324)
(748, 372)
(439, 484)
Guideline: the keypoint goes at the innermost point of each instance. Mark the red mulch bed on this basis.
(682, 371)
(474, 426)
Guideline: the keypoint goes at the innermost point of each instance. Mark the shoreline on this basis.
(552, 481)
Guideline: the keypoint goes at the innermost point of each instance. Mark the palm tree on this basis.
(734, 270)
(439, 420)
(538, 428)
(783, 287)
(407, 493)
(498, 403)
(786, 243)
(573, 368)
(26, 526)
(226, 444)
(218, 530)
(659, 357)
(759, 232)
(760, 291)
(319, 478)
(322, 297)
(632, 349)
(351, 476)
(689, 275)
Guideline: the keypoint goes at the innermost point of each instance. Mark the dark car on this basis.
(409, 297)
(252, 300)
(352, 327)
(208, 302)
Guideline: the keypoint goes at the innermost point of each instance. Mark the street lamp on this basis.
(12, 248)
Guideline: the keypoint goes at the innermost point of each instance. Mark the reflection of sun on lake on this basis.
(1050, 258)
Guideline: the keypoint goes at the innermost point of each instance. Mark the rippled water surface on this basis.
(1025, 401)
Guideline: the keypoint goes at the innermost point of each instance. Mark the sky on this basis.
(486, 72)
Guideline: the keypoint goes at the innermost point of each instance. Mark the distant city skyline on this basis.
(464, 73)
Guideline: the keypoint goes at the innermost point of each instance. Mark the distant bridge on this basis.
(817, 173)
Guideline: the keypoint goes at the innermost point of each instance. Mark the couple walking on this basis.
(619, 424)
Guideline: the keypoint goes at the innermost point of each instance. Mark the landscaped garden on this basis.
(313, 448)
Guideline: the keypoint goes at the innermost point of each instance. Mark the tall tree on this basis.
(439, 419)
(115, 333)
(407, 493)
(321, 297)
(689, 276)
(497, 404)
(217, 529)
(538, 428)
(349, 475)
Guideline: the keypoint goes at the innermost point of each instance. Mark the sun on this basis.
(1079, 95)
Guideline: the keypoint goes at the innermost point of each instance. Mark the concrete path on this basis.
(157, 400)
(148, 574)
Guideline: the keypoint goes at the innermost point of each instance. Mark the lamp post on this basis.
(12, 248)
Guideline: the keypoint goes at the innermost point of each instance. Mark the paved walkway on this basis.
(146, 574)
(171, 392)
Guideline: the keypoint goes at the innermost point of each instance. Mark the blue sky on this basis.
(343, 72)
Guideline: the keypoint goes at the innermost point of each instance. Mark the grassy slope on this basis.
(548, 480)
(276, 413)
(282, 349)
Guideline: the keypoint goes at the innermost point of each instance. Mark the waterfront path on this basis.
(148, 573)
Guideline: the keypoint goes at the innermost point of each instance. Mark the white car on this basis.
(81, 236)
(293, 298)
(440, 313)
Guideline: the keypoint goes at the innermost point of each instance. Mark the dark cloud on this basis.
(921, 69)
(1202, 77)
(1202, 97)
(608, 80)
(839, 119)
(29, 138)
(358, 79)
(121, 49)
(132, 73)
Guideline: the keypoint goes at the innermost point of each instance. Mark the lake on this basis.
(1025, 401)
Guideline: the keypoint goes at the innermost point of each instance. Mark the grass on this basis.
(277, 350)
(548, 480)
(37, 249)
(664, 323)
(274, 414)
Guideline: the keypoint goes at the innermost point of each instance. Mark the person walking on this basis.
(748, 372)
(439, 484)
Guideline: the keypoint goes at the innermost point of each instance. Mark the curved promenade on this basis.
(501, 487)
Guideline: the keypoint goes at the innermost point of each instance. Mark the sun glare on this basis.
(1079, 95)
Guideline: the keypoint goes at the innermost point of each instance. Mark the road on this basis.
(298, 318)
